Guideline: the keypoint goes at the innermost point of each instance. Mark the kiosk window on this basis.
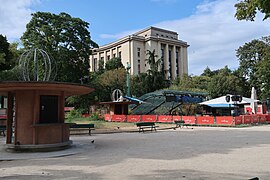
(48, 109)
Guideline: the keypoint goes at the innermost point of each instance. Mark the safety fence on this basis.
(192, 120)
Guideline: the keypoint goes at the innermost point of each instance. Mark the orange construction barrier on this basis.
(107, 117)
(201, 120)
(133, 118)
(189, 119)
(238, 120)
(119, 118)
(225, 120)
(149, 118)
(246, 119)
(165, 119)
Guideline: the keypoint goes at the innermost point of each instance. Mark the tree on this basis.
(155, 78)
(254, 60)
(114, 63)
(225, 82)
(247, 9)
(66, 39)
(6, 57)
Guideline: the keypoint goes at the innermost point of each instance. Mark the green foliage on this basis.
(96, 117)
(73, 114)
(189, 83)
(247, 9)
(254, 60)
(7, 54)
(114, 63)
(65, 39)
(225, 82)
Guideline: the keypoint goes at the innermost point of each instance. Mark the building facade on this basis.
(132, 49)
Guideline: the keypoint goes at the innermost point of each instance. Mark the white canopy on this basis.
(222, 100)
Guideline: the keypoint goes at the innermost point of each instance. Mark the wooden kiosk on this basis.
(35, 114)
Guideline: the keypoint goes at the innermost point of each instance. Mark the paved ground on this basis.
(199, 153)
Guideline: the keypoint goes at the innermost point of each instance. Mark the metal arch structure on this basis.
(36, 65)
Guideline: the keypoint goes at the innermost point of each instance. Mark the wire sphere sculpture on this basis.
(36, 65)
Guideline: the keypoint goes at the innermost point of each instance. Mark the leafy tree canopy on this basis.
(114, 63)
(247, 9)
(66, 39)
(6, 57)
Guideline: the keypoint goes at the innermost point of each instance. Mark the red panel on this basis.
(247, 119)
(176, 118)
(162, 118)
(107, 117)
(262, 118)
(189, 119)
(205, 120)
(238, 120)
(267, 118)
(119, 118)
(133, 118)
(227, 120)
(149, 118)
(85, 115)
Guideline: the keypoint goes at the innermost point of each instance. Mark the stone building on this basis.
(132, 49)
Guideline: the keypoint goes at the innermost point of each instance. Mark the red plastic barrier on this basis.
(262, 118)
(189, 119)
(107, 117)
(176, 118)
(162, 118)
(119, 118)
(255, 119)
(85, 115)
(133, 118)
(226, 120)
(205, 120)
(149, 118)
(267, 116)
(246, 119)
(238, 120)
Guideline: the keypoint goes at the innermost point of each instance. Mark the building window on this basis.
(119, 54)
(108, 57)
(177, 63)
(170, 62)
(139, 66)
(114, 55)
(162, 60)
(139, 52)
(95, 64)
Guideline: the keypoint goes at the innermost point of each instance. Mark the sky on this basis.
(208, 26)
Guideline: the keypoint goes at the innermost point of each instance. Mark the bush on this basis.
(96, 117)
(74, 114)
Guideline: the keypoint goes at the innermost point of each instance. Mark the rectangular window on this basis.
(119, 54)
(48, 109)
(139, 52)
(95, 64)
(170, 62)
(139, 66)
(162, 59)
(114, 55)
(108, 57)
(177, 63)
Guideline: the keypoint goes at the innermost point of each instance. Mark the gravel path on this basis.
(199, 153)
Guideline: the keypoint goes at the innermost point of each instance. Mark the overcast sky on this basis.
(209, 27)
